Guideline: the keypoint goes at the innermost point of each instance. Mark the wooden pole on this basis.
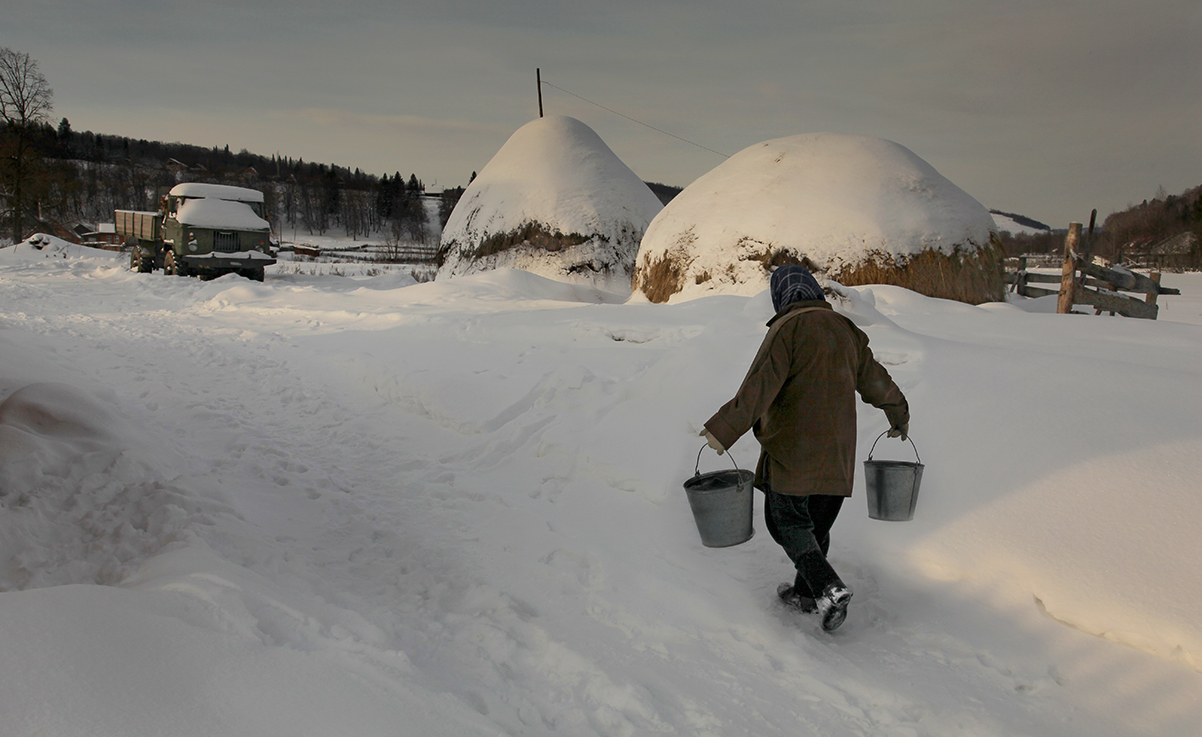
(1151, 296)
(1020, 279)
(538, 76)
(1068, 272)
(1087, 246)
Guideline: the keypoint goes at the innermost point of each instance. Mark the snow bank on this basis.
(555, 201)
(836, 200)
(195, 646)
(82, 502)
(1088, 515)
(41, 246)
(121, 620)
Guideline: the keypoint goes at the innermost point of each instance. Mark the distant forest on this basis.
(85, 176)
(1122, 233)
(1164, 216)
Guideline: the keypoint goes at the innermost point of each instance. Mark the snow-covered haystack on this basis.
(854, 209)
(555, 201)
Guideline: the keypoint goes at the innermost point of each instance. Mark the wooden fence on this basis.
(395, 254)
(1082, 282)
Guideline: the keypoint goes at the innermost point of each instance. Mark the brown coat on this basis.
(799, 395)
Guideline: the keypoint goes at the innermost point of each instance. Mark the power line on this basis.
(645, 125)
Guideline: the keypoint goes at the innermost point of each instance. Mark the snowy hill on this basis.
(836, 200)
(554, 201)
(318, 505)
(1008, 223)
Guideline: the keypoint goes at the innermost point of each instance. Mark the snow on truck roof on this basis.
(211, 212)
(216, 191)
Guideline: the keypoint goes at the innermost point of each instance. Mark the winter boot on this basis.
(832, 605)
(793, 599)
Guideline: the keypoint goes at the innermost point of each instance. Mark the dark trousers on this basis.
(802, 526)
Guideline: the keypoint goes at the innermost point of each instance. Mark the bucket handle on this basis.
(878, 439)
(697, 465)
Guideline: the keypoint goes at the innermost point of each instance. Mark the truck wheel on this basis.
(172, 267)
(135, 260)
(145, 262)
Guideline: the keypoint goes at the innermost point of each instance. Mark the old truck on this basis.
(200, 229)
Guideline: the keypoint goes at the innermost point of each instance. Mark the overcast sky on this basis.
(1043, 108)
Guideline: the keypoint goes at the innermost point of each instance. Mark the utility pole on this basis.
(538, 76)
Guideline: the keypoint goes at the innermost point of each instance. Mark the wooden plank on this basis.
(1089, 281)
(1027, 291)
(137, 224)
(1126, 306)
(1111, 286)
(1126, 280)
(1020, 277)
(148, 225)
(1120, 279)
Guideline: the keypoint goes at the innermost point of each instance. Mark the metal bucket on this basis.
(892, 486)
(722, 505)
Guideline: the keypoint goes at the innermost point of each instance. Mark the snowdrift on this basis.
(854, 209)
(555, 201)
(41, 246)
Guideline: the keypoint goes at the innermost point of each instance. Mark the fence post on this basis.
(1068, 273)
(1151, 297)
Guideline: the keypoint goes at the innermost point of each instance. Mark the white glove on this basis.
(713, 442)
(902, 431)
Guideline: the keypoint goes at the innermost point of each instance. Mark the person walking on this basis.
(799, 398)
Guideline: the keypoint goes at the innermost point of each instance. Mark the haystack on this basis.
(853, 209)
(555, 201)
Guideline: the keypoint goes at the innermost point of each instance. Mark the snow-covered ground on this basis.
(323, 505)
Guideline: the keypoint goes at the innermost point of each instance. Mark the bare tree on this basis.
(25, 96)
(25, 101)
